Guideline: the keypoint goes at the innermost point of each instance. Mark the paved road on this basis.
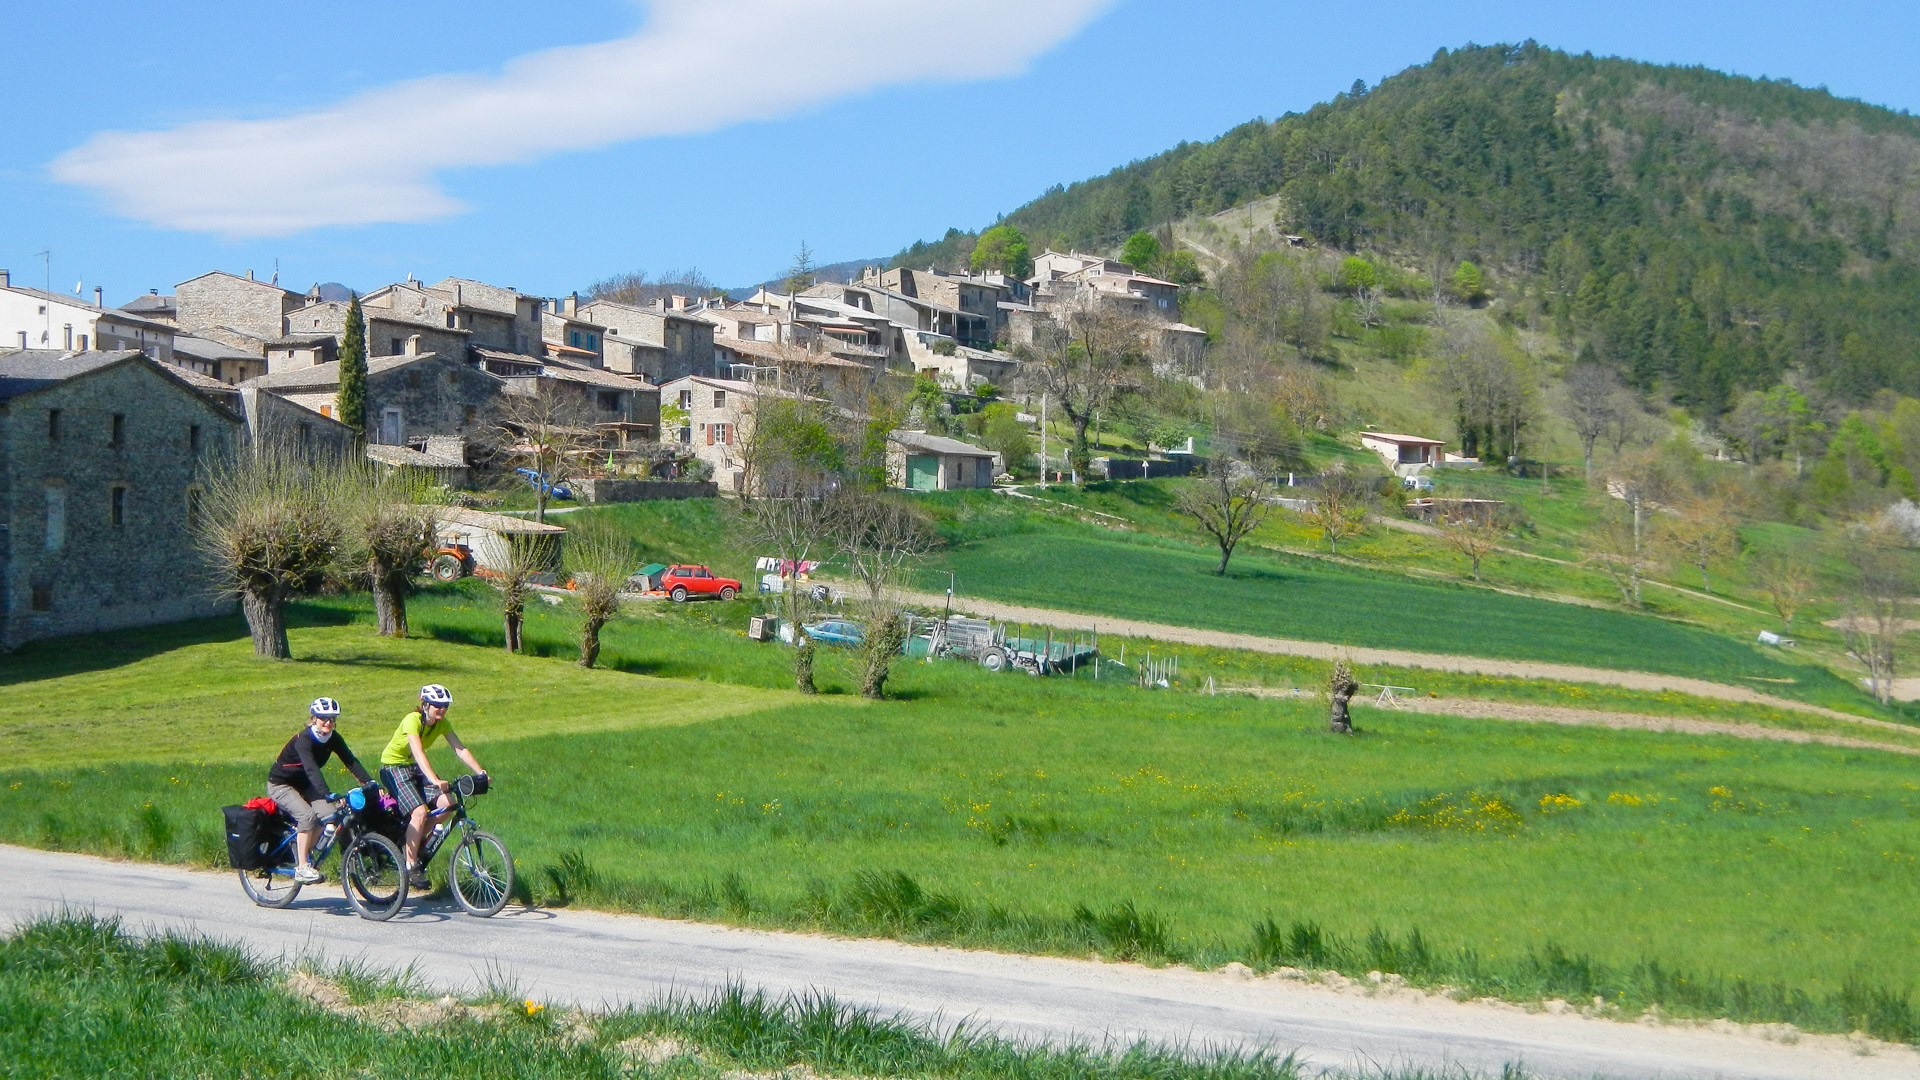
(592, 959)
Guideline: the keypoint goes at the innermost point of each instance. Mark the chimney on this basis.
(413, 346)
(6, 278)
(572, 304)
(249, 275)
(679, 302)
(99, 297)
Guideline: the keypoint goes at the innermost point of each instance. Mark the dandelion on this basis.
(1550, 803)
(1621, 798)
(1720, 791)
(534, 1008)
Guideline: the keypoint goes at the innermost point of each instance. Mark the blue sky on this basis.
(871, 139)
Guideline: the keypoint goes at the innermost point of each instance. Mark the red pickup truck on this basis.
(681, 582)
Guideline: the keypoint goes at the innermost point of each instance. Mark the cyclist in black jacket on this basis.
(296, 784)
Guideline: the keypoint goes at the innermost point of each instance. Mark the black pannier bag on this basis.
(251, 836)
(376, 818)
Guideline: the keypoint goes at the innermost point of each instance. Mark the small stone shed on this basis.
(918, 461)
(488, 535)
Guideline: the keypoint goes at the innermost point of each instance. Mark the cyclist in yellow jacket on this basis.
(410, 778)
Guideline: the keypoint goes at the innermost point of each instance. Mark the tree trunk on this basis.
(1339, 721)
(803, 663)
(1476, 566)
(1587, 453)
(513, 619)
(590, 641)
(266, 618)
(389, 599)
(1079, 459)
(889, 634)
(1226, 552)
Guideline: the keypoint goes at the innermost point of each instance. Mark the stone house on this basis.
(388, 329)
(624, 409)
(409, 397)
(658, 343)
(1059, 278)
(236, 311)
(301, 351)
(100, 455)
(918, 461)
(484, 307)
(36, 319)
(719, 422)
(217, 359)
(973, 295)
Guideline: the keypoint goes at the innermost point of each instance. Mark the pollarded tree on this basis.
(881, 539)
(599, 560)
(388, 533)
(351, 401)
(793, 455)
(1003, 248)
(268, 523)
(525, 557)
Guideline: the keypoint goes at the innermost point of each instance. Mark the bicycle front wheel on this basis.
(270, 886)
(481, 874)
(375, 877)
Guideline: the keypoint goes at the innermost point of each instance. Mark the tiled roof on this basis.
(920, 440)
(202, 349)
(407, 455)
(321, 376)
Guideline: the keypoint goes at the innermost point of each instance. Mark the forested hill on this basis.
(1706, 233)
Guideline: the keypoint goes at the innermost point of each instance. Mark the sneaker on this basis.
(418, 881)
(307, 875)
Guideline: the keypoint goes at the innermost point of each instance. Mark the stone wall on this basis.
(436, 395)
(217, 299)
(618, 490)
(66, 565)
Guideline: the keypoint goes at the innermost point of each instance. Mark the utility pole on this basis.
(1043, 437)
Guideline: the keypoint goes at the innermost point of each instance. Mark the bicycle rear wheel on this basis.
(481, 873)
(270, 886)
(374, 876)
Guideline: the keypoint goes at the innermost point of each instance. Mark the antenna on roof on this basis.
(276, 273)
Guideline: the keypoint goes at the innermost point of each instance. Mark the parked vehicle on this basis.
(836, 632)
(682, 583)
(451, 562)
(536, 481)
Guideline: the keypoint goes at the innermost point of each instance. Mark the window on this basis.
(43, 598)
(573, 338)
(686, 399)
(685, 436)
(119, 436)
(53, 425)
(719, 399)
(306, 434)
(593, 341)
(83, 343)
(326, 410)
(720, 433)
(392, 431)
(399, 347)
(56, 517)
(117, 505)
(193, 437)
(609, 401)
(450, 325)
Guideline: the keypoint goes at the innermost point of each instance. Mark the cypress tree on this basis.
(352, 399)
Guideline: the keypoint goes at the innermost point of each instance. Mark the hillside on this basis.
(1705, 233)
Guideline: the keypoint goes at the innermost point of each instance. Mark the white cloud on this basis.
(696, 66)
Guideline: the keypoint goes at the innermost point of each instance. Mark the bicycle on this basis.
(480, 870)
(372, 869)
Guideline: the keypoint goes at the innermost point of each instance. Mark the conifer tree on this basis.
(352, 398)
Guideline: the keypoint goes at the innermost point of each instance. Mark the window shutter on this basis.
(729, 434)
(709, 428)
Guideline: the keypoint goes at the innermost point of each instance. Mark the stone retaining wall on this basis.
(612, 491)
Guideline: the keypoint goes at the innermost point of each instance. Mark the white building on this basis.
(35, 319)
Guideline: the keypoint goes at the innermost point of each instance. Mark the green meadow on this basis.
(1055, 815)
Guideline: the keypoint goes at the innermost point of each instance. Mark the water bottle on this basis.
(326, 835)
(433, 841)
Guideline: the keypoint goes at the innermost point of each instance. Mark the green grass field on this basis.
(83, 997)
(1047, 815)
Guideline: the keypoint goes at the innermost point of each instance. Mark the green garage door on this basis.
(923, 472)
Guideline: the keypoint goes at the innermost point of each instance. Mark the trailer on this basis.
(989, 644)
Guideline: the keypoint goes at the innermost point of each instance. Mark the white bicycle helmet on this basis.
(324, 708)
(435, 694)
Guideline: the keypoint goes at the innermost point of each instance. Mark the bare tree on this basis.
(546, 432)
(1786, 576)
(880, 538)
(388, 534)
(1340, 505)
(1592, 397)
(1082, 360)
(794, 456)
(1628, 426)
(525, 558)
(1876, 601)
(638, 290)
(1227, 504)
(1701, 530)
(1475, 533)
(1622, 543)
(599, 560)
(268, 523)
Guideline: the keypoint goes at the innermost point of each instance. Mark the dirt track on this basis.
(1321, 650)
(1554, 714)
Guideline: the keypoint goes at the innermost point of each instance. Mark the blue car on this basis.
(835, 632)
(557, 491)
